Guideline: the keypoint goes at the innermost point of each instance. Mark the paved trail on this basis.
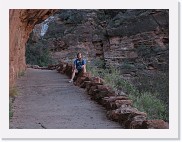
(47, 101)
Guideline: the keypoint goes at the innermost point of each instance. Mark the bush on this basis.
(154, 107)
(21, 73)
(156, 83)
(143, 101)
(10, 109)
(12, 94)
(38, 55)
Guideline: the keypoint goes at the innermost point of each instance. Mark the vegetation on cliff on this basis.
(147, 98)
(38, 54)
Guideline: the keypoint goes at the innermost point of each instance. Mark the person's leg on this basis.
(73, 75)
(84, 69)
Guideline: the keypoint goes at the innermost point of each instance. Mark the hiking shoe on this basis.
(70, 81)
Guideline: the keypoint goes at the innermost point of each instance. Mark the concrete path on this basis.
(47, 101)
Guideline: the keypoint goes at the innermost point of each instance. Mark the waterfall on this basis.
(44, 29)
(45, 25)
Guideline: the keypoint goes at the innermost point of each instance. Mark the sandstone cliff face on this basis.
(120, 37)
(139, 36)
(134, 41)
(21, 23)
(77, 31)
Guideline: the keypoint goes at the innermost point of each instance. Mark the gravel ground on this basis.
(47, 101)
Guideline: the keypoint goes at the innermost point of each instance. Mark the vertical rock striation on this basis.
(21, 24)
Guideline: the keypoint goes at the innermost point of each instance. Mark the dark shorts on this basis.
(79, 70)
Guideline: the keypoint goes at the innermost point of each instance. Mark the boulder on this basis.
(110, 102)
(82, 77)
(155, 124)
(127, 113)
(128, 117)
(99, 94)
(135, 122)
(62, 68)
(121, 103)
(92, 90)
(83, 85)
(113, 115)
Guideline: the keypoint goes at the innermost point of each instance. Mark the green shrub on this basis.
(149, 103)
(158, 82)
(10, 109)
(13, 92)
(143, 101)
(38, 55)
(21, 73)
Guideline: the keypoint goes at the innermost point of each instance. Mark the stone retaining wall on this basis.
(120, 108)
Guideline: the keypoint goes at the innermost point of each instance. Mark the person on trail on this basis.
(79, 66)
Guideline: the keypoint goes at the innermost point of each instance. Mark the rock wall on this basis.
(21, 24)
(140, 37)
(136, 41)
(76, 31)
(119, 37)
(119, 108)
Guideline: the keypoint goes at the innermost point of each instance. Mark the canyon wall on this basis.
(119, 37)
(21, 24)
(140, 37)
(135, 41)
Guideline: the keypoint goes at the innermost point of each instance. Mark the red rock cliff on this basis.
(21, 23)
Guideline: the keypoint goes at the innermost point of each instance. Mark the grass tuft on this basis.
(145, 101)
(12, 94)
(21, 73)
(10, 108)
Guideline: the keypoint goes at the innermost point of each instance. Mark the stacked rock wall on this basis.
(119, 108)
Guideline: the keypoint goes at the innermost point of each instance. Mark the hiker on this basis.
(79, 66)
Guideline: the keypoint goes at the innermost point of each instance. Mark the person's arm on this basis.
(84, 63)
(74, 65)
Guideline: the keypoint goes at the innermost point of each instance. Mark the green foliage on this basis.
(10, 109)
(21, 73)
(154, 83)
(38, 55)
(148, 102)
(13, 92)
(98, 63)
